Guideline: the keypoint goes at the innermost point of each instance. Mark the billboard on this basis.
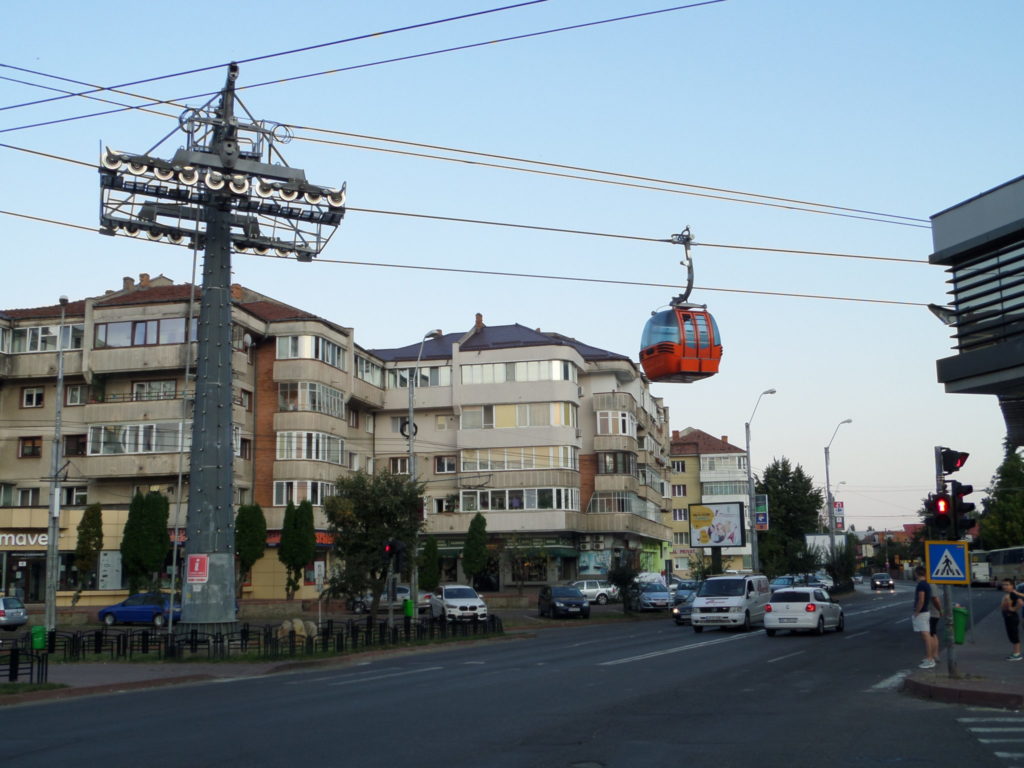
(717, 525)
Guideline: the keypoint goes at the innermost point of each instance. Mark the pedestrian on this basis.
(1011, 617)
(920, 618)
(934, 619)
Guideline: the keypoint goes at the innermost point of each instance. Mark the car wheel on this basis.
(820, 629)
(842, 623)
(359, 607)
(158, 620)
(602, 599)
(697, 629)
(746, 621)
(109, 620)
(770, 632)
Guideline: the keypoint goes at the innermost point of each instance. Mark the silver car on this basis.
(12, 613)
(596, 591)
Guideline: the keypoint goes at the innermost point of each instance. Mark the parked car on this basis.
(803, 608)
(13, 613)
(649, 596)
(555, 601)
(600, 592)
(144, 608)
(683, 606)
(882, 581)
(822, 580)
(785, 582)
(364, 602)
(457, 602)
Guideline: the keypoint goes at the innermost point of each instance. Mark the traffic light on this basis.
(399, 546)
(962, 522)
(389, 551)
(939, 506)
(953, 460)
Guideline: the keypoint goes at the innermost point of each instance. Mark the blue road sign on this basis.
(946, 562)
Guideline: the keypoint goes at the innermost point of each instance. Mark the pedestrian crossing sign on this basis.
(946, 562)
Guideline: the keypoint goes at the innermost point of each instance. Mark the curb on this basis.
(71, 692)
(949, 694)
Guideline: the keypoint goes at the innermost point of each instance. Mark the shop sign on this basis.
(24, 539)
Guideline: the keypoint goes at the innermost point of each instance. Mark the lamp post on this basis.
(754, 564)
(828, 494)
(53, 527)
(413, 376)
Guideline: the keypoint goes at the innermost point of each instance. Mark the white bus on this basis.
(981, 570)
(1006, 563)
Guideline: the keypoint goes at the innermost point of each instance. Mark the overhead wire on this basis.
(379, 62)
(251, 59)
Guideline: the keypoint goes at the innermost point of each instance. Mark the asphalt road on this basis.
(621, 694)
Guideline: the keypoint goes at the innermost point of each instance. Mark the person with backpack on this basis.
(1012, 600)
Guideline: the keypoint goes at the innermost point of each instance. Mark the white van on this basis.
(731, 600)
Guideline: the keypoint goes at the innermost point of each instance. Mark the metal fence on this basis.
(24, 659)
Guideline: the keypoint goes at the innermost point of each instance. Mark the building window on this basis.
(724, 488)
(678, 490)
(76, 394)
(428, 376)
(527, 457)
(678, 465)
(530, 370)
(310, 396)
(722, 463)
(616, 423)
(30, 447)
(680, 515)
(245, 448)
(44, 338)
(163, 389)
(314, 347)
(296, 491)
(142, 333)
(520, 498)
(399, 465)
(28, 497)
(31, 397)
(311, 446)
(75, 445)
(160, 437)
(616, 463)
(245, 399)
(73, 496)
(369, 371)
(353, 461)
(441, 423)
(353, 418)
(681, 539)
(444, 464)
(6, 495)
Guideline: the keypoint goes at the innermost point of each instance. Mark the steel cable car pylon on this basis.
(681, 344)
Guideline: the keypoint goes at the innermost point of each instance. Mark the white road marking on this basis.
(859, 634)
(787, 656)
(991, 720)
(385, 677)
(1009, 755)
(655, 654)
(474, 662)
(889, 683)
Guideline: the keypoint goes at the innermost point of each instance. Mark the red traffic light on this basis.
(942, 505)
(953, 460)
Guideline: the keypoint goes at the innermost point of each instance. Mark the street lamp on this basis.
(53, 526)
(411, 426)
(750, 485)
(828, 494)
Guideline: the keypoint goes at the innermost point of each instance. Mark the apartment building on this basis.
(559, 444)
(704, 470)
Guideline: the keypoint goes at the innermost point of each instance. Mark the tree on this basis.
(1002, 524)
(623, 576)
(794, 504)
(250, 540)
(430, 565)
(145, 543)
(366, 512)
(88, 548)
(298, 544)
(474, 550)
(521, 553)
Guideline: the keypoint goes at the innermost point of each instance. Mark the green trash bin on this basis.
(960, 616)
(409, 609)
(38, 638)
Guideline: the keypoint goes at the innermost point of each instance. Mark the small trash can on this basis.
(960, 616)
(38, 638)
(408, 609)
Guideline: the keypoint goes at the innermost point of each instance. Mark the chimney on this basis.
(479, 321)
(236, 292)
(725, 438)
(143, 280)
(675, 434)
(127, 284)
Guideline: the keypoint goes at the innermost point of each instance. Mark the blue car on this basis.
(145, 608)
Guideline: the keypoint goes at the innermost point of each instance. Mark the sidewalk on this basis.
(985, 678)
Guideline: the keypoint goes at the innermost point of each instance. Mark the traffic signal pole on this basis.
(947, 590)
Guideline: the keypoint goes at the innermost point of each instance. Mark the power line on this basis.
(493, 273)
(585, 170)
(97, 89)
(353, 67)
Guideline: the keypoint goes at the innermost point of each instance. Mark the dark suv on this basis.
(882, 581)
(562, 601)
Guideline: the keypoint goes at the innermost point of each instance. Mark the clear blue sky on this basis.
(902, 107)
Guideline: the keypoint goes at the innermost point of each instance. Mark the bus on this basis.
(981, 569)
(1006, 563)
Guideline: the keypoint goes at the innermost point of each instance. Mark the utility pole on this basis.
(53, 526)
(215, 195)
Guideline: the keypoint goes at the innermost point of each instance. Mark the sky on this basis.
(899, 108)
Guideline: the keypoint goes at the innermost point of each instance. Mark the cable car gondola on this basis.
(681, 344)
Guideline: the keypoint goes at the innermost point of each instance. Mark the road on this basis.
(621, 694)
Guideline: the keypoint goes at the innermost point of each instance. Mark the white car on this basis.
(596, 591)
(457, 602)
(803, 608)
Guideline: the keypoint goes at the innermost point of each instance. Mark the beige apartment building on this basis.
(559, 444)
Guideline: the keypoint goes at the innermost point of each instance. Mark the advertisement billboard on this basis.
(717, 525)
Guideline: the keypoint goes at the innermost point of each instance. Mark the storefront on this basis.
(23, 564)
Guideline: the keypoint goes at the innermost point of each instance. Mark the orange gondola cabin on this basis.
(681, 345)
